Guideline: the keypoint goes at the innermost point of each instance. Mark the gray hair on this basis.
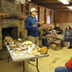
(57, 24)
(52, 26)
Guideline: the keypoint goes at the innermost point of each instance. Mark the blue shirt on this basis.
(30, 21)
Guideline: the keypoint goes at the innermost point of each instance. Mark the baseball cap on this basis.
(33, 9)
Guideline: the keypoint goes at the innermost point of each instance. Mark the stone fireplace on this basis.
(11, 26)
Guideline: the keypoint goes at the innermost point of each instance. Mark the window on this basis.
(37, 17)
(48, 19)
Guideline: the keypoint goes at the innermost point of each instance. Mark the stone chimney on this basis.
(13, 18)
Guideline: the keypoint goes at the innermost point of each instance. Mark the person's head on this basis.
(67, 27)
(57, 25)
(33, 12)
(52, 27)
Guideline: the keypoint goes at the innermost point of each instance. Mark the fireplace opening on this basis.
(11, 31)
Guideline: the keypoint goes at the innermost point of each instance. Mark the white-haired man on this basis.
(58, 29)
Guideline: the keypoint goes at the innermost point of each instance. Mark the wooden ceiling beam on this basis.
(63, 9)
(45, 1)
(54, 4)
(50, 4)
(58, 8)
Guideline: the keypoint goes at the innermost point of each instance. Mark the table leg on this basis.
(8, 58)
(37, 64)
(23, 67)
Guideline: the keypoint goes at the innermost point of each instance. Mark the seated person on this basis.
(45, 31)
(58, 29)
(70, 38)
(67, 68)
(67, 33)
(51, 36)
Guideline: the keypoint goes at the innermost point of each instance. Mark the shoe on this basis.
(69, 47)
(32, 59)
(47, 48)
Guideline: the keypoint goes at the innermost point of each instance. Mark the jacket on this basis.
(69, 63)
(58, 29)
(29, 26)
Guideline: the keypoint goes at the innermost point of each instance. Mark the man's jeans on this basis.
(63, 69)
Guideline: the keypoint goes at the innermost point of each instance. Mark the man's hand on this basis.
(35, 25)
(67, 35)
(46, 36)
(43, 22)
(57, 31)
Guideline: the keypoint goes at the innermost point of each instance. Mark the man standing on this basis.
(32, 27)
(58, 29)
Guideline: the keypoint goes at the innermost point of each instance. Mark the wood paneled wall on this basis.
(63, 16)
(52, 16)
(63, 26)
(34, 6)
(41, 14)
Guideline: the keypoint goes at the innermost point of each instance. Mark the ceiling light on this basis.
(70, 7)
(64, 1)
